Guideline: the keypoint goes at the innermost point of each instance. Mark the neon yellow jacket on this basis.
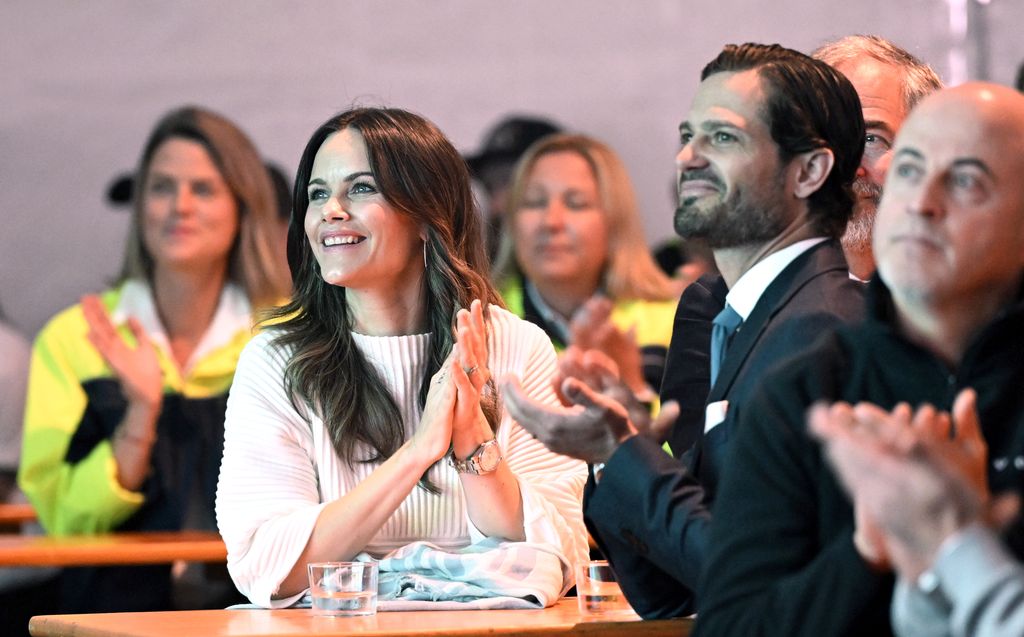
(67, 466)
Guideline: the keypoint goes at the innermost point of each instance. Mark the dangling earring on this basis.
(424, 254)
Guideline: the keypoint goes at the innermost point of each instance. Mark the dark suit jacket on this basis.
(650, 515)
(687, 377)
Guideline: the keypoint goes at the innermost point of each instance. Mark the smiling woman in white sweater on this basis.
(343, 412)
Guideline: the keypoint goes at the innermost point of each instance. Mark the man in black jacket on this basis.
(770, 148)
(890, 81)
(788, 554)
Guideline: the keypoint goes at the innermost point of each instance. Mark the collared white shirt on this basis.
(233, 313)
(746, 292)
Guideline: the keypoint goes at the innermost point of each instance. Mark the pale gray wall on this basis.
(82, 82)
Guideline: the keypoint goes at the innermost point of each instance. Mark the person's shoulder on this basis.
(504, 320)
(265, 350)
(511, 290)
(817, 286)
(16, 353)
(836, 294)
(812, 317)
(266, 340)
(12, 342)
(642, 307)
(70, 321)
(702, 300)
(710, 284)
(507, 327)
(815, 372)
(652, 320)
(826, 268)
(773, 415)
(825, 350)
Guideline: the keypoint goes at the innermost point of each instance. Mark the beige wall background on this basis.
(82, 82)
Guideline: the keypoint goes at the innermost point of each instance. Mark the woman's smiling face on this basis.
(359, 240)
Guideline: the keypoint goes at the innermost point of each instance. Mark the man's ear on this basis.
(810, 170)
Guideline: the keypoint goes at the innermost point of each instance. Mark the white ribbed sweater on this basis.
(278, 471)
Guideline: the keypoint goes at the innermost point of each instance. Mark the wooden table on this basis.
(112, 548)
(16, 514)
(561, 619)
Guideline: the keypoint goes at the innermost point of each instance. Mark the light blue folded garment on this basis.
(491, 574)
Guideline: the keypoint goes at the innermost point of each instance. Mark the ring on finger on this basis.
(470, 370)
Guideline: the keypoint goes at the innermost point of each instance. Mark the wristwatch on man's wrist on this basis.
(481, 462)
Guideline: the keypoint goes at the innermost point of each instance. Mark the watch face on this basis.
(490, 456)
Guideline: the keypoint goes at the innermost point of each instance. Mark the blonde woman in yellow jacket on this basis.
(573, 233)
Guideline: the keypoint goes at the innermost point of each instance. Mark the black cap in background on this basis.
(509, 139)
(119, 192)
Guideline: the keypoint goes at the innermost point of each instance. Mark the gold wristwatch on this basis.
(481, 462)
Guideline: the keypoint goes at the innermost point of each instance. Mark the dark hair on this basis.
(421, 175)
(809, 105)
(507, 140)
(252, 262)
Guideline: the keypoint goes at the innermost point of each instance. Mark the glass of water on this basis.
(598, 594)
(342, 589)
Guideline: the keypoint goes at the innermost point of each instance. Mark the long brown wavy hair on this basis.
(421, 175)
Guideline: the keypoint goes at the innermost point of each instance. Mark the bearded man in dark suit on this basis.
(770, 149)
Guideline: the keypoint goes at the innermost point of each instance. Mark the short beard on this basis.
(857, 237)
(737, 221)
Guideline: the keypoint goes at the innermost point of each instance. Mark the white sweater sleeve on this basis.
(267, 494)
(551, 484)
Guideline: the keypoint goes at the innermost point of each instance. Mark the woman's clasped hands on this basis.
(453, 416)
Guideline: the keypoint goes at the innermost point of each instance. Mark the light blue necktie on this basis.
(723, 327)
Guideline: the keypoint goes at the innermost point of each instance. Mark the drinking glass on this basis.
(341, 589)
(598, 593)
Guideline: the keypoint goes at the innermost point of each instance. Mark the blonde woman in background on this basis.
(573, 259)
(124, 419)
